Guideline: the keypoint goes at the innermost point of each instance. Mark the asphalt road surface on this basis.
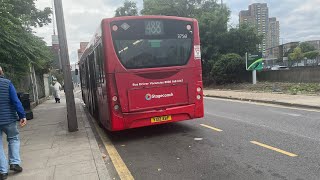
(235, 140)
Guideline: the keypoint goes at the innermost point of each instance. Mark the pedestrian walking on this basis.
(56, 91)
(10, 106)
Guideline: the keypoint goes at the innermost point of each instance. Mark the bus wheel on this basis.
(99, 122)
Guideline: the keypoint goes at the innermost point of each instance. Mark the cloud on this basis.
(82, 18)
(299, 20)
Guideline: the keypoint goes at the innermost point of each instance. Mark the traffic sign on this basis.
(254, 61)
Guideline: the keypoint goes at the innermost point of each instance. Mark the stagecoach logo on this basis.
(148, 97)
(125, 26)
(157, 96)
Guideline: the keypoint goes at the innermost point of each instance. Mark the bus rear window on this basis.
(152, 43)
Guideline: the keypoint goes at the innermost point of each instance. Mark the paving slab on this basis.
(69, 170)
(50, 152)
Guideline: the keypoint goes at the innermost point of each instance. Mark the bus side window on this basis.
(101, 62)
(97, 68)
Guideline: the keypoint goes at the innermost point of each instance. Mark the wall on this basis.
(34, 84)
(296, 75)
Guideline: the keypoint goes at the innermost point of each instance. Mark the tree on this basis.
(286, 54)
(213, 26)
(213, 19)
(129, 8)
(182, 8)
(228, 69)
(306, 47)
(27, 12)
(19, 47)
(311, 54)
(240, 40)
(296, 55)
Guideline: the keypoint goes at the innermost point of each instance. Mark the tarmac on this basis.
(50, 152)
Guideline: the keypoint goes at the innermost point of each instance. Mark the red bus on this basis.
(143, 70)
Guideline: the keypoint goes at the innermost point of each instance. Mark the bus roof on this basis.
(148, 17)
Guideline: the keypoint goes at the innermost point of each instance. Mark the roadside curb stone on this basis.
(220, 94)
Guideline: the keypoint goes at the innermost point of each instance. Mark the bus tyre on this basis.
(99, 122)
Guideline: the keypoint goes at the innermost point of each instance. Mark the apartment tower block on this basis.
(258, 16)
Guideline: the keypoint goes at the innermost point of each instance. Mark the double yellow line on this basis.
(116, 159)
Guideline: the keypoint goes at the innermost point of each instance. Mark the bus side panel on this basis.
(112, 119)
(104, 109)
(116, 118)
(199, 110)
(103, 91)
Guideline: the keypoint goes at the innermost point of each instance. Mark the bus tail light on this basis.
(189, 27)
(114, 98)
(199, 89)
(198, 97)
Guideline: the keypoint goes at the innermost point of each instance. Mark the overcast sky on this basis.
(299, 19)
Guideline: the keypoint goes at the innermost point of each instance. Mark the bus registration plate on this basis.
(160, 119)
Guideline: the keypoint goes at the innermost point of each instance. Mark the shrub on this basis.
(229, 68)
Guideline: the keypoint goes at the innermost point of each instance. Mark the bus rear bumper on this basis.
(141, 119)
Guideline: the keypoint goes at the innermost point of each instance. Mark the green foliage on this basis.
(182, 8)
(241, 40)
(18, 45)
(304, 88)
(129, 8)
(213, 26)
(286, 54)
(216, 40)
(58, 75)
(27, 12)
(311, 54)
(228, 69)
(306, 47)
(296, 55)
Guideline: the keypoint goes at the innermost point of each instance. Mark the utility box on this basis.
(25, 101)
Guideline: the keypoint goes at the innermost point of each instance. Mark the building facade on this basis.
(280, 51)
(83, 46)
(315, 44)
(288, 46)
(273, 33)
(257, 15)
(55, 49)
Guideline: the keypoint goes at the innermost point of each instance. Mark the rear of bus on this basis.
(153, 69)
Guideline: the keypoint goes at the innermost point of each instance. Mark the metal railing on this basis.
(274, 62)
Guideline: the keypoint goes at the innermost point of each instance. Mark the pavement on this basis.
(50, 152)
(302, 101)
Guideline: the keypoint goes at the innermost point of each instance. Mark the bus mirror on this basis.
(76, 72)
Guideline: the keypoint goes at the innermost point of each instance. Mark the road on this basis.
(236, 140)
